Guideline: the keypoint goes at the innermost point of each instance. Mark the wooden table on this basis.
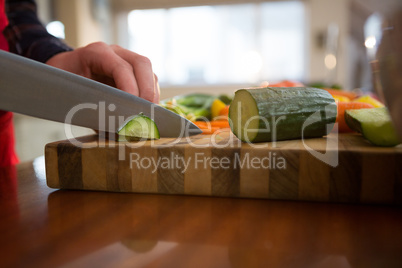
(42, 227)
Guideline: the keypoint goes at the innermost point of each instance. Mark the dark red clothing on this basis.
(3, 24)
(7, 152)
(7, 142)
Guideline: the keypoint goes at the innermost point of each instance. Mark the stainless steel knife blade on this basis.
(36, 89)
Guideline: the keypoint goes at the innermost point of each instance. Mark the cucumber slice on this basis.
(274, 114)
(374, 124)
(138, 127)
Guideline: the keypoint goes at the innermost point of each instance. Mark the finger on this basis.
(143, 73)
(111, 65)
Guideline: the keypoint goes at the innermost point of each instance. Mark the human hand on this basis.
(111, 65)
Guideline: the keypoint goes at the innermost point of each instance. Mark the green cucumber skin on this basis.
(297, 105)
(380, 132)
(353, 123)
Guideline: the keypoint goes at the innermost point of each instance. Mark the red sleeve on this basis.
(3, 24)
(7, 141)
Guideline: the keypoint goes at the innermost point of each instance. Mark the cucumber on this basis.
(274, 114)
(138, 127)
(374, 124)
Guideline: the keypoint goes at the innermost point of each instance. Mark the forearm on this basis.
(26, 35)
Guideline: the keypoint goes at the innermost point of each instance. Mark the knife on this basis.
(36, 89)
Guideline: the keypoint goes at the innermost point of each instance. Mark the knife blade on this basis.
(36, 89)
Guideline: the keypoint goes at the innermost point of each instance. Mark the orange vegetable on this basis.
(349, 94)
(286, 83)
(342, 107)
(209, 131)
(224, 111)
(212, 126)
(212, 123)
(220, 123)
(293, 83)
(201, 124)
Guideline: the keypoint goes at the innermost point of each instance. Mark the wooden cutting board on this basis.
(337, 168)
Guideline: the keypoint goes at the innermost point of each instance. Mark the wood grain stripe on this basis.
(313, 178)
(283, 180)
(197, 176)
(69, 161)
(170, 170)
(345, 179)
(94, 168)
(123, 169)
(52, 167)
(112, 169)
(254, 173)
(224, 171)
(378, 179)
(143, 173)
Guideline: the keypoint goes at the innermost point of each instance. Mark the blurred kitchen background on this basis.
(218, 45)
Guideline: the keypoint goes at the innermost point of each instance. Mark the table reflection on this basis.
(8, 192)
(220, 232)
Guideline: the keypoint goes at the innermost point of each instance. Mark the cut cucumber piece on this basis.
(274, 114)
(374, 124)
(137, 128)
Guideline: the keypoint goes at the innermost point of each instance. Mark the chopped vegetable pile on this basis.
(207, 111)
(210, 112)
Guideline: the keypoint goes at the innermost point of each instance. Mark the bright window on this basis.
(245, 43)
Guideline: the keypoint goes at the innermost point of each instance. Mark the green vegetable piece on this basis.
(197, 105)
(196, 100)
(336, 86)
(226, 99)
(374, 124)
(137, 128)
(174, 108)
(274, 114)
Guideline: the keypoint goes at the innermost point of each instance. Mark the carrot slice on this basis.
(220, 123)
(349, 94)
(212, 126)
(213, 123)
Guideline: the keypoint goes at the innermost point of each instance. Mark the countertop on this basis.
(43, 227)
